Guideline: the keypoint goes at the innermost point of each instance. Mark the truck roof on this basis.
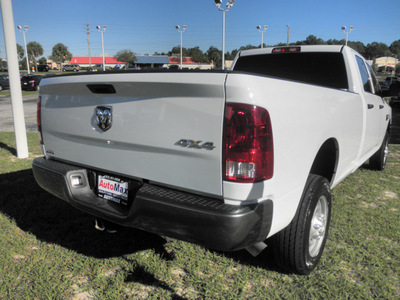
(299, 48)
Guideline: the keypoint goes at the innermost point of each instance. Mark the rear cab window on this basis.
(325, 69)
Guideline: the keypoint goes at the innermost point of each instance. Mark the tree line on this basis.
(370, 51)
(60, 52)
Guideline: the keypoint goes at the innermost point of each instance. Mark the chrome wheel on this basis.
(378, 160)
(318, 226)
(299, 247)
(386, 151)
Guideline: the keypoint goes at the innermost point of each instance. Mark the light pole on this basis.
(26, 49)
(229, 4)
(262, 33)
(102, 41)
(347, 32)
(184, 27)
(288, 29)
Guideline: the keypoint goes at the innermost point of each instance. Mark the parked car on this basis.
(30, 82)
(4, 82)
(43, 68)
(3, 69)
(98, 68)
(74, 68)
(131, 67)
(394, 93)
(95, 68)
(388, 82)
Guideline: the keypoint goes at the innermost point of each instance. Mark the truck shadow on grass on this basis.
(54, 221)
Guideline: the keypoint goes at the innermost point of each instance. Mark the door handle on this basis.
(381, 106)
(370, 106)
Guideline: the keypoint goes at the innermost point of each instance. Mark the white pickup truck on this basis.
(229, 160)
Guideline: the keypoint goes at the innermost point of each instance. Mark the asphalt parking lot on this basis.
(6, 117)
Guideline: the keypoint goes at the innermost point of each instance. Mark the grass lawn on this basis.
(7, 93)
(50, 250)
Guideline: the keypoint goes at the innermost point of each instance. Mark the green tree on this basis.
(197, 55)
(313, 40)
(248, 47)
(60, 54)
(358, 46)
(194, 53)
(375, 50)
(231, 55)
(395, 48)
(20, 51)
(335, 42)
(126, 56)
(176, 51)
(34, 51)
(42, 61)
(214, 55)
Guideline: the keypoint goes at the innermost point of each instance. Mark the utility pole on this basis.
(287, 35)
(15, 84)
(88, 40)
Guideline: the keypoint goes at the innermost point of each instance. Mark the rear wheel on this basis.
(299, 247)
(378, 160)
(1, 87)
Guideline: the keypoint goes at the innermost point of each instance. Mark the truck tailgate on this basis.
(165, 127)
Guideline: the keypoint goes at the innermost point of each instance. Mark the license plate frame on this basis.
(113, 188)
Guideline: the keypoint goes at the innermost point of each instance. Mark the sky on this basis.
(146, 27)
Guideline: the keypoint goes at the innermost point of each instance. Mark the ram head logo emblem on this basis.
(104, 117)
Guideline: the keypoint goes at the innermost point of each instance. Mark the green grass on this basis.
(7, 93)
(52, 251)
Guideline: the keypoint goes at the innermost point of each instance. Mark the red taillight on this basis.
(286, 49)
(249, 155)
(39, 119)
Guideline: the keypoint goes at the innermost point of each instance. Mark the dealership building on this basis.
(142, 62)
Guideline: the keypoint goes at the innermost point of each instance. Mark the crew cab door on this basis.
(373, 108)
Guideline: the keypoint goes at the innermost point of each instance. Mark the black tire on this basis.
(299, 247)
(378, 160)
(1, 87)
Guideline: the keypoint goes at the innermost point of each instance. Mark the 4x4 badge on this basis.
(104, 117)
(195, 144)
